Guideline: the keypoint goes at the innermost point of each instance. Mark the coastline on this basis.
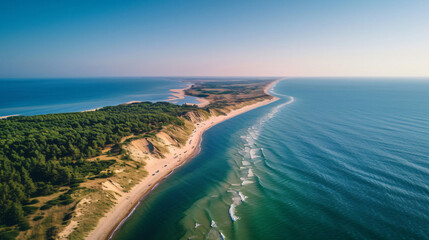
(162, 168)
(4, 117)
(178, 94)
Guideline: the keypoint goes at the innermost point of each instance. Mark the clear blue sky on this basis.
(214, 38)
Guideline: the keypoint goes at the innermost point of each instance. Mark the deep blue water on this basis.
(41, 96)
(347, 159)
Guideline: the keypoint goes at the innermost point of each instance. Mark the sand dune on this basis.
(160, 168)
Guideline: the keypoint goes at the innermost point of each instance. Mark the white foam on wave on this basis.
(250, 151)
(250, 173)
(254, 153)
(245, 163)
(221, 235)
(262, 152)
(253, 134)
(244, 153)
(242, 197)
(249, 141)
(237, 198)
(246, 182)
(232, 213)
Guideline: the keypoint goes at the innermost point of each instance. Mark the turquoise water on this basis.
(41, 96)
(347, 159)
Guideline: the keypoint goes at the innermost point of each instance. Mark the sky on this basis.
(214, 38)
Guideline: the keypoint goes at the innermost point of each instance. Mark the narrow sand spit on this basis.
(180, 94)
(177, 94)
(159, 169)
(4, 117)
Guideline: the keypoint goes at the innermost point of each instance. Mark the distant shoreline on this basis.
(180, 94)
(126, 204)
(176, 94)
(4, 117)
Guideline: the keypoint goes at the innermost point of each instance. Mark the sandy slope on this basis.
(128, 201)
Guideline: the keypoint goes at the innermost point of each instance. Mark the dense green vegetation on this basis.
(38, 154)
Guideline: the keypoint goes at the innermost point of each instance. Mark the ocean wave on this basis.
(247, 182)
(250, 173)
(262, 153)
(232, 213)
(221, 235)
(254, 153)
(242, 197)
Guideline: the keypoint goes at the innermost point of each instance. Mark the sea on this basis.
(60, 95)
(334, 158)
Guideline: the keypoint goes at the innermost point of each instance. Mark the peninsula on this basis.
(89, 190)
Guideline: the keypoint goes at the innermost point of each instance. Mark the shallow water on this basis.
(345, 160)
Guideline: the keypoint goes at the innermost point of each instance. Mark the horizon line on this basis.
(213, 76)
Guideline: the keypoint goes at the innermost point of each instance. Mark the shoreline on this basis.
(128, 202)
(178, 94)
(8, 116)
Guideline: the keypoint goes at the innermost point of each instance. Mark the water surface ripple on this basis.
(345, 160)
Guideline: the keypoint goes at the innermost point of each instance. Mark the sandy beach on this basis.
(177, 94)
(180, 94)
(4, 117)
(159, 169)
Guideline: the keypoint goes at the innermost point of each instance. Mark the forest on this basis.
(39, 154)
